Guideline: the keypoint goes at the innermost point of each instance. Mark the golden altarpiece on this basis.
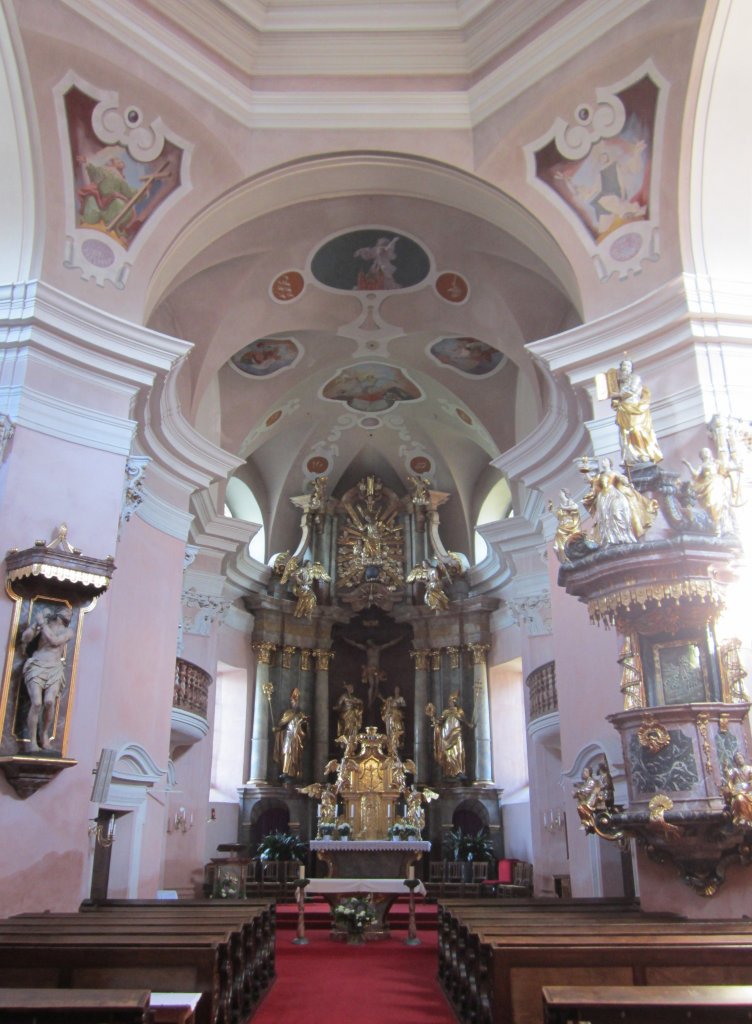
(370, 660)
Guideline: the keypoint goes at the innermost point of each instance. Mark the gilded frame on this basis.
(680, 670)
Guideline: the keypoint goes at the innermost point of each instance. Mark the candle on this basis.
(301, 871)
(411, 871)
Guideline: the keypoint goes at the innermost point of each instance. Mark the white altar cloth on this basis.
(369, 845)
(326, 886)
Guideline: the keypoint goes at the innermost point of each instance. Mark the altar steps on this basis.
(318, 915)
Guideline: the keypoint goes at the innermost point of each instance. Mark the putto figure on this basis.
(631, 400)
(302, 577)
(448, 738)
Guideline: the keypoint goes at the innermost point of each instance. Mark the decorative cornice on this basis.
(406, 40)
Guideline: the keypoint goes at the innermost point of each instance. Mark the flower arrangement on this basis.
(344, 828)
(396, 831)
(411, 832)
(229, 887)
(325, 830)
(354, 915)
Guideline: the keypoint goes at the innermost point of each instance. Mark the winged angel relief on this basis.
(302, 577)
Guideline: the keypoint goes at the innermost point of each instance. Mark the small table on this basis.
(383, 893)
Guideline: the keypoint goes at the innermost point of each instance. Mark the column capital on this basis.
(287, 652)
(479, 652)
(264, 650)
(305, 659)
(323, 659)
(454, 656)
(420, 657)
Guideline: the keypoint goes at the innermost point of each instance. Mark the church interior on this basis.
(275, 572)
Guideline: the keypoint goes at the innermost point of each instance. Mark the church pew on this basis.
(466, 965)
(259, 929)
(647, 1004)
(251, 940)
(259, 915)
(162, 962)
(87, 1006)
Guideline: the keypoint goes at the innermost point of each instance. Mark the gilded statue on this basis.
(289, 739)
(594, 792)
(327, 797)
(349, 710)
(44, 643)
(621, 514)
(370, 543)
(569, 523)
(631, 400)
(428, 575)
(737, 790)
(448, 738)
(421, 488)
(302, 578)
(712, 486)
(393, 717)
(414, 800)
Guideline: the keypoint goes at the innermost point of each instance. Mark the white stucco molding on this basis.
(436, 40)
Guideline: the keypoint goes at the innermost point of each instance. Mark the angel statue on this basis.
(325, 794)
(428, 575)
(414, 800)
(737, 790)
(302, 578)
(713, 486)
(569, 523)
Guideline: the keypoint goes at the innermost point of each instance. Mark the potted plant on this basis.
(282, 846)
(463, 846)
(326, 831)
(411, 832)
(344, 829)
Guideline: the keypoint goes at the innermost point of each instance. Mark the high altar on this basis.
(371, 689)
(371, 781)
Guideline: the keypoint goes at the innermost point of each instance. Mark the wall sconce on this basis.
(104, 834)
(180, 821)
(553, 819)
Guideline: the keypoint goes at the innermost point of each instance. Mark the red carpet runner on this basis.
(328, 982)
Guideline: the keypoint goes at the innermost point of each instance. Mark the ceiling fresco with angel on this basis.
(371, 259)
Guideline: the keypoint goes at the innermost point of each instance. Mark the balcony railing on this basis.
(191, 688)
(543, 697)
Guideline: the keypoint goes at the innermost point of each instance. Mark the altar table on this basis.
(383, 892)
(369, 858)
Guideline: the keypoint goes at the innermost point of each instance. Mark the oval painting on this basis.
(266, 356)
(371, 387)
(467, 356)
(372, 260)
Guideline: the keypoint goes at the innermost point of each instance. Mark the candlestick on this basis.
(411, 871)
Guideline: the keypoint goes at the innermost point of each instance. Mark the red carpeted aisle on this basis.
(327, 982)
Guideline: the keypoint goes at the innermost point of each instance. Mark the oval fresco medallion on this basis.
(371, 387)
(468, 356)
(273, 418)
(464, 417)
(372, 260)
(317, 464)
(287, 286)
(420, 464)
(266, 356)
(452, 287)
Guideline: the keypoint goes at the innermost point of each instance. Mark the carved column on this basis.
(260, 738)
(481, 714)
(321, 710)
(420, 746)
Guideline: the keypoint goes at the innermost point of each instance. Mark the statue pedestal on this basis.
(369, 858)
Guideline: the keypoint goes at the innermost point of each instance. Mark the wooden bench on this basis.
(88, 1006)
(223, 950)
(493, 969)
(647, 1004)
